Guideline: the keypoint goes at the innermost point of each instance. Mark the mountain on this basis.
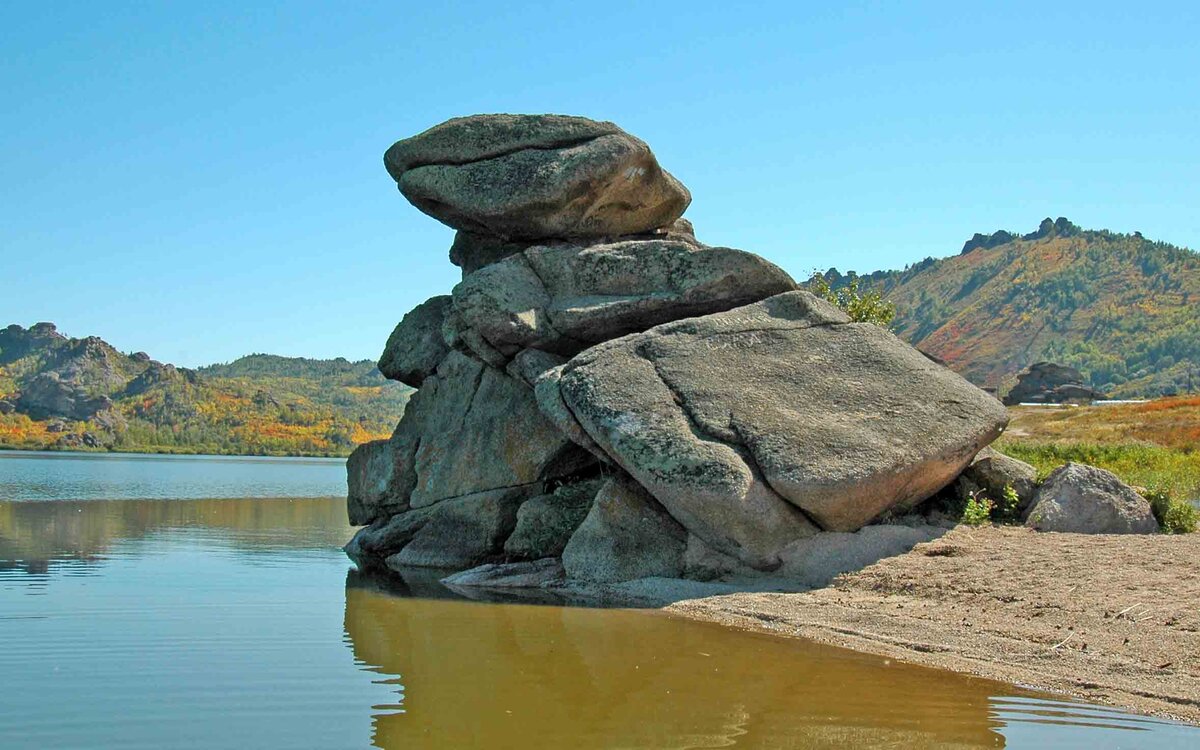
(61, 392)
(1122, 309)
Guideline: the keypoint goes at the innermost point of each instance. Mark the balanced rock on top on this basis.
(536, 177)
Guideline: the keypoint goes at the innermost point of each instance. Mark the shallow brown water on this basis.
(239, 623)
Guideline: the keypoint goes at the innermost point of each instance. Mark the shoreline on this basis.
(1113, 620)
(77, 453)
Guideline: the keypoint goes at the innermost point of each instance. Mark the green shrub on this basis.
(862, 307)
(1174, 516)
(978, 510)
(1180, 518)
(1005, 510)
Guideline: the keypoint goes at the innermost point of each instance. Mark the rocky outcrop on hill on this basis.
(1050, 383)
(606, 391)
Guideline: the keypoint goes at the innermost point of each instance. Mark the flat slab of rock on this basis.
(626, 535)
(746, 424)
(1087, 500)
(534, 574)
(565, 297)
(417, 346)
(536, 176)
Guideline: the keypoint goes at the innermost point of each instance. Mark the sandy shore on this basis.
(1110, 619)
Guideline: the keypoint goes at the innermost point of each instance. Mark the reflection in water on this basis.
(35, 536)
(504, 675)
(234, 623)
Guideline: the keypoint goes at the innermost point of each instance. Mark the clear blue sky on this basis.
(204, 180)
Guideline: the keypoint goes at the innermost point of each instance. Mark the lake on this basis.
(204, 603)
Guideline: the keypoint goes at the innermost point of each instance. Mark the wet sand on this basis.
(1109, 619)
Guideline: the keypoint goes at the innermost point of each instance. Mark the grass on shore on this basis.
(1152, 467)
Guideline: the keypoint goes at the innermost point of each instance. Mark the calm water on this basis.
(143, 476)
(235, 622)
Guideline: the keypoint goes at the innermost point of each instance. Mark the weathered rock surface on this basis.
(459, 533)
(703, 563)
(564, 297)
(1087, 500)
(482, 431)
(529, 365)
(549, 399)
(463, 532)
(470, 428)
(472, 251)
(458, 335)
(626, 535)
(536, 176)
(991, 471)
(545, 523)
(1050, 383)
(734, 421)
(385, 536)
(417, 345)
(369, 472)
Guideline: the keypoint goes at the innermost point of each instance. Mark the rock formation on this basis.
(1050, 383)
(606, 392)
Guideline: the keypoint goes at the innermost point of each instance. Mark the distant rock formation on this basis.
(1060, 227)
(603, 388)
(58, 392)
(1050, 383)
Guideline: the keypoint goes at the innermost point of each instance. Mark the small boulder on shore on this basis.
(991, 471)
(1086, 500)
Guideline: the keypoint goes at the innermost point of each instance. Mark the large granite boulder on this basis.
(760, 425)
(369, 472)
(536, 176)
(417, 346)
(1088, 500)
(626, 535)
(564, 297)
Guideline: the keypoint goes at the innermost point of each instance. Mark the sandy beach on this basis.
(1109, 619)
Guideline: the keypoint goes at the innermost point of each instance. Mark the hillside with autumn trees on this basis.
(58, 392)
(1123, 309)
